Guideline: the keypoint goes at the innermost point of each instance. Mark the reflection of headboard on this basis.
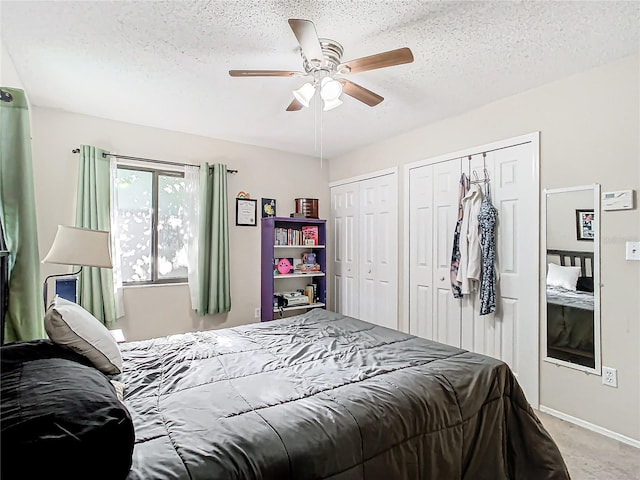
(580, 259)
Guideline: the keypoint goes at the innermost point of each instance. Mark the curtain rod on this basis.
(163, 162)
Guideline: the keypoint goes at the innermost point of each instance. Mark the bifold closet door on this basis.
(344, 267)
(446, 313)
(510, 334)
(365, 243)
(378, 251)
(433, 312)
(421, 319)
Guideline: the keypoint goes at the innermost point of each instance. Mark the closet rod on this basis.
(494, 150)
(140, 159)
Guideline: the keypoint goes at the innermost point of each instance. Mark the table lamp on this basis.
(81, 247)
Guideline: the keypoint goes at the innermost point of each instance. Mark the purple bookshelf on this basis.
(278, 236)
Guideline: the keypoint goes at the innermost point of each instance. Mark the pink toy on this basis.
(284, 266)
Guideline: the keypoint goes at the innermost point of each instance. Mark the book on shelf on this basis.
(287, 236)
(294, 237)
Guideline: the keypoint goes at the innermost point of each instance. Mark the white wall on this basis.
(8, 75)
(590, 133)
(161, 310)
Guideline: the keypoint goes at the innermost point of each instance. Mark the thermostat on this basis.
(620, 200)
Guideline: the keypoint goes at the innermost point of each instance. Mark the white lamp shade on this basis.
(81, 247)
(331, 104)
(330, 89)
(305, 93)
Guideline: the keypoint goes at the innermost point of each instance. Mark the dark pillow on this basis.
(60, 416)
(585, 284)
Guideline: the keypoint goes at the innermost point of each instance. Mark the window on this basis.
(151, 227)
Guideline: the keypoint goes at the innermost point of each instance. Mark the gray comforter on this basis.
(323, 396)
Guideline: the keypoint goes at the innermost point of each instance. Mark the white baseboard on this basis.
(590, 426)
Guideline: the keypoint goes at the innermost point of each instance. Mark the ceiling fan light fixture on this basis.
(305, 93)
(330, 89)
(331, 104)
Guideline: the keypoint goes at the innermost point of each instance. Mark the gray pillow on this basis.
(71, 326)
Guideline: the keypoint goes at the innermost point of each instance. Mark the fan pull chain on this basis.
(321, 131)
(315, 124)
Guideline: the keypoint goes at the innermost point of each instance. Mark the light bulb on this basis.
(305, 93)
(330, 89)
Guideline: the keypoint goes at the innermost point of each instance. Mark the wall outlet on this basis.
(632, 251)
(256, 314)
(610, 377)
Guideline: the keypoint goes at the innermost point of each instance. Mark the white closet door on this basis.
(446, 311)
(515, 194)
(420, 252)
(510, 334)
(433, 212)
(344, 267)
(378, 257)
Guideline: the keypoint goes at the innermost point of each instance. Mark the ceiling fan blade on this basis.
(263, 73)
(380, 60)
(305, 32)
(360, 93)
(294, 106)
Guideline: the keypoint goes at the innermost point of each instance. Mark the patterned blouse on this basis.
(487, 219)
(463, 188)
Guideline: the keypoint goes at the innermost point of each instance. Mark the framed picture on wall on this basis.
(268, 207)
(246, 212)
(585, 225)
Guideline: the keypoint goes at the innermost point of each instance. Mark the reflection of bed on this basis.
(570, 334)
(324, 396)
(570, 298)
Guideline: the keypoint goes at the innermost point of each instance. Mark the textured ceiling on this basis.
(165, 64)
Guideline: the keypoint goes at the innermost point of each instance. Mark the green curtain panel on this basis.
(24, 319)
(214, 294)
(95, 288)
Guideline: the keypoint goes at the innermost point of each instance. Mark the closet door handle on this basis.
(442, 279)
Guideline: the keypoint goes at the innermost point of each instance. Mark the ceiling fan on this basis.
(322, 59)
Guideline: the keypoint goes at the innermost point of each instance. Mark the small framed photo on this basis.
(585, 225)
(246, 212)
(268, 207)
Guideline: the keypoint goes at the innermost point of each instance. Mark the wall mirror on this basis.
(572, 281)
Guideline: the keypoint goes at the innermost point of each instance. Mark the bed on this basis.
(324, 396)
(570, 333)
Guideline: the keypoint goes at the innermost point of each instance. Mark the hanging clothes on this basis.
(470, 257)
(487, 219)
(463, 188)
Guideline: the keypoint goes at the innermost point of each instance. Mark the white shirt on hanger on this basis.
(470, 252)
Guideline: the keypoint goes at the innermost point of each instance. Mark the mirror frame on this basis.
(597, 347)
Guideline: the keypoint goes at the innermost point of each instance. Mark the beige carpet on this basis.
(591, 456)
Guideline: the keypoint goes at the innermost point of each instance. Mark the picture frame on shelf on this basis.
(310, 235)
(246, 212)
(268, 207)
